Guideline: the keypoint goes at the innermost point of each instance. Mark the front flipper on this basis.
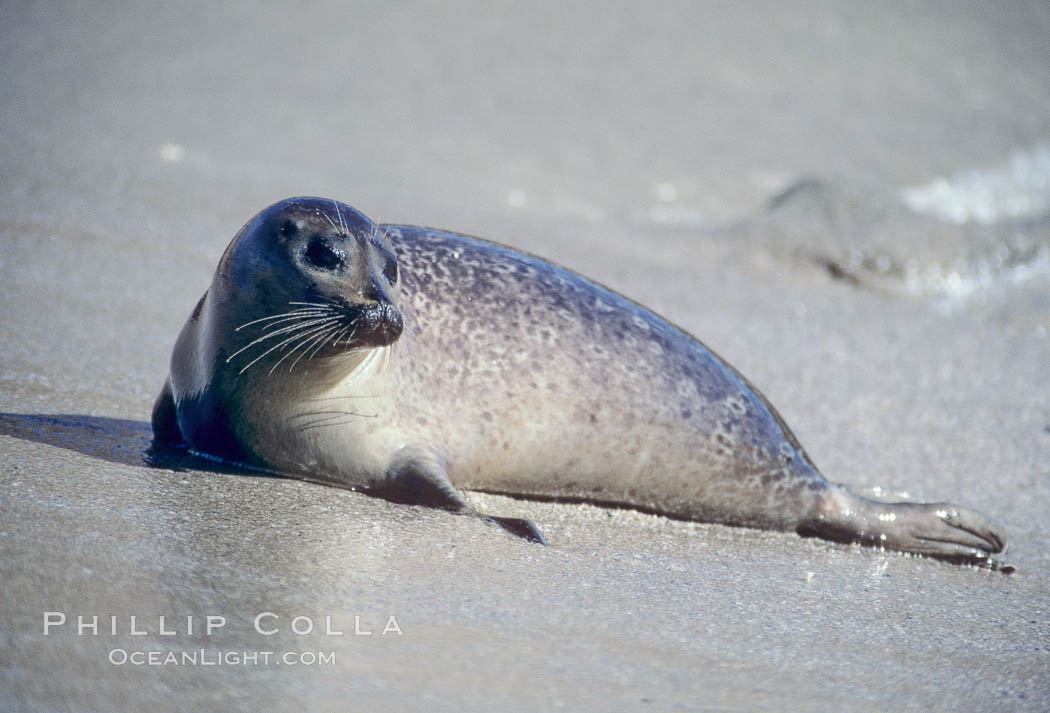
(164, 419)
(939, 530)
(416, 477)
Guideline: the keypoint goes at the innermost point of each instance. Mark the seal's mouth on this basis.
(375, 325)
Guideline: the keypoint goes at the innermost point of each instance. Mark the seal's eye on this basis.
(320, 254)
(390, 271)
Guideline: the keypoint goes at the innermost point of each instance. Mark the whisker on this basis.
(339, 213)
(306, 338)
(326, 414)
(292, 338)
(337, 419)
(332, 302)
(299, 325)
(330, 221)
(319, 341)
(295, 312)
(341, 332)
(283, 330)
(300, 318)
(350, 339)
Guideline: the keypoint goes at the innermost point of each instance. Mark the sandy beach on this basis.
(851, 205)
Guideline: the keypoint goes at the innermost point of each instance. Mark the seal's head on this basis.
(305, 293)
(316, 277)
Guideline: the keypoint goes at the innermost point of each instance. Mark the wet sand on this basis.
(850, 205)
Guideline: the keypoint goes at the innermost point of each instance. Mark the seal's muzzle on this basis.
(377, 325)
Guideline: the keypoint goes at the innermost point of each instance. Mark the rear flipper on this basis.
(525, 529)
(416, 477)
(939, 530)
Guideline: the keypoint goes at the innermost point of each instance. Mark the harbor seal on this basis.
(409, 363)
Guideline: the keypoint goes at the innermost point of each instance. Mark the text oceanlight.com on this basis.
(202, 657)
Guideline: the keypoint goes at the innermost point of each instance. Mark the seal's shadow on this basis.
(116, 440)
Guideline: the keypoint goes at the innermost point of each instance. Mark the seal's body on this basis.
(410, 362)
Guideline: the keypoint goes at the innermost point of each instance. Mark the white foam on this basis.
(172, 153)
(516, 198)
(1017, 188)
(666, 192)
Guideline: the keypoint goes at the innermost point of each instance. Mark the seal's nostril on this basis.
(380, 324)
